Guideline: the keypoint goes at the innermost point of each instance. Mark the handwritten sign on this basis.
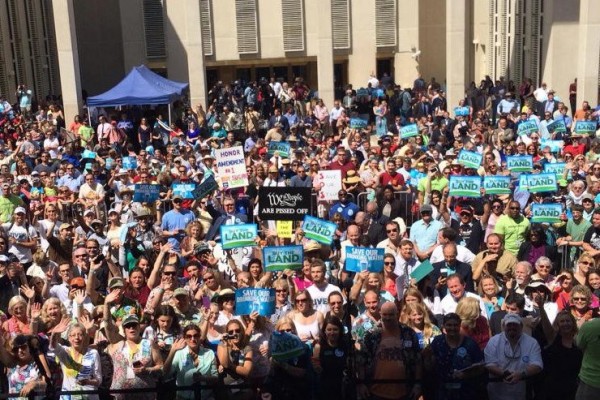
(469, 159)
(284, 229)
(249, 300)
(465, 186)
(279, 258)
(541, 182)
(282, 148)
(331, 184)
(409, 131)
(185, 190)
(231, 166)
(527, 128)
(585, 127)
(519, 163)
(360, 259)
(549, 213)
(146, 193)
(318, 230)
(240, 235)
(496, 184)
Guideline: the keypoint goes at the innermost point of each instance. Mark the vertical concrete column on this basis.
(68, 57)
(406, 67)
(325, 53)
(588, 54)
(363, 58)
(456, 51)
(185, 56)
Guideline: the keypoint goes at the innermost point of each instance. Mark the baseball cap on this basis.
(130, 319)
(20, 210)
(512, 319)
(115, 282)
(65, 226)
(177, 196)
(78, 282)
(426, 208)
(181, 292)
(88, 212)
(3, 258)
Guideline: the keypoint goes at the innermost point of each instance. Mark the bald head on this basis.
(371, 207)
(360, 218)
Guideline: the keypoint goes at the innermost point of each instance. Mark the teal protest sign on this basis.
(249, 300)
(469, 159)
(241, 235)
(549, 213)
(557, 126)
(360, 122)
(409, 131)
(360, 259)
(129, 162)
(545, 182)
(465, 186)
(205, 188)
(496, 184)
(556, 168)
(527, 128)
(282, 148)
(462, 111)
(146, 193)
(185, 190)
(279, 258)
(554, 145)
(585, 127)
(519, 163)
(318, 230)
(88, 154)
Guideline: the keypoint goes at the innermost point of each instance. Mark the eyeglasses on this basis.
(515, 208)
(301, 300)
(234, 331)
(281, 291)
(81, 255)
(64, 271)
(544, 266)
(168, 273)
(92, 248)
(196, 336)
(391, 230)
(21, 347)
(177, 201)
(579, 299)
(286, 330)
(389, 263)
(496, 206)
(131, 326)
(585, 262)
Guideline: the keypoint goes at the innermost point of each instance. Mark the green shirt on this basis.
(513, 232)
(436, 184)
(588, 341)
(8, 206)
(86, 133)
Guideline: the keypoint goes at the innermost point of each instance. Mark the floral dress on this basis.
(123, 376)
(19, 376)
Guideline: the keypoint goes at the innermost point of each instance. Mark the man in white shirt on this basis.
(444, 237)
(320, 289)
(456, 291)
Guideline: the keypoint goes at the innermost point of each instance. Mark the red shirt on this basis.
(394, 180)
(335, 165)
(575, 150)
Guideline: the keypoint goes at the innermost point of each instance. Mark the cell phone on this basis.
(444, 271)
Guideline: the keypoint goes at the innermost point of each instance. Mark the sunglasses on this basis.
(585, 262)
(21, 347)
(286, 330)
(389, 263)
(196, 336)
(234, 331)
(578, 299)
(168, 273)
(177, 201)
(301, 300)
(515, 208)
(391, 230)
(131, 326)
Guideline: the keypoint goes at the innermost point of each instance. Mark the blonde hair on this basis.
(421, 309)
(285, 321)
(44, 313)
(14, 301)
(468, 311)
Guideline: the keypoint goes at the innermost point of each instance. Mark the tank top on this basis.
(310, 330)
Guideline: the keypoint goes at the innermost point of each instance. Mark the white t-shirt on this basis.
(20, 233)
(320, 296)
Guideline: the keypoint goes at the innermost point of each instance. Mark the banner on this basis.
(283, 203)
(409, 131)
(462, 111)
(185, 190)
(331, 184)
(88, 154)
(527, 128)
(465, 186)
(208, 186)
(279, 258)
(555, 145)
(557, 126)
(249, 300)
(285, 229)
(541, 182)
(360, 259)
(519, 163)
(241, 235)
(129, 162)
(146, 193)
(231, 167)
(282, 148)
(585, 127)
(360, 122)
(469, 159)
(496, 184)
(555, 168)
(549, 213)
(318, 230)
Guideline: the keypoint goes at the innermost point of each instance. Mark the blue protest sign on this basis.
(469, 159)
(545, 182)
(557, 126)
(249, 300)
(205, 188)
(129, 162)
(146, 193)
(496, 184)
(360, 122)
(242, 235)
(381, 127)
(283, 148)
(585, 127)
(527, 128)
(318, 229)
(185, 190)
(549, 213)
(554, 145)
(519, 163)
(555, 168)
(88, 154)
(465, 186)
(409, 131)
(360, 259)
(279, 258)
(462, 111)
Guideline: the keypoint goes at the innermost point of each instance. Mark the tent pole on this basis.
(89, 116)
(169, 114)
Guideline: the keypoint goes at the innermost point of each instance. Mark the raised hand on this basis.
(193, 283)
(87, 322)
(178, 345)
(28, 291)
(112, 296)
(61, 326)
(79, 296)
(50, 273)
(36, 310)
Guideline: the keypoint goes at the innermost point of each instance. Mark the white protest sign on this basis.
(331, 182)
(231, 167)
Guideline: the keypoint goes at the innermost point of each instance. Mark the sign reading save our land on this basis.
(279, 258)
(469, 159)
(549, 213)
(496, 184)
(465, 186)
(318, 230)
(241, 235)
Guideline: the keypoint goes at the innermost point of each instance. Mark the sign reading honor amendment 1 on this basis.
(231, 167)
(541, 182)
(283, 203)
(527, 128)
(519, 163)
(242, 235)
(585, 127)
(360, 259)
(146, 193)
(549, 213)
(279, 258)
(469, 159)
(318, 230)
(496, 184)
(282, 148)
(249, 300)
(409, 131)
(465, 186)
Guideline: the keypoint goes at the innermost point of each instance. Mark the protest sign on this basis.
(555, 168)
(279, 258)
(185, 190)
(545, 182)
(409, 131)
(282, 148)
(331, 184)
(285, 229)
(555, 145)
(557, 126)
(208, 186)
(527, 128)
(422, 270)
(318, 229)
(585, 127)
(129, 162)
(240, 235)
(249, 300)
(465, 186)
(88, 154)
(462, 111)
(231, 167)
(359, 122)
(284, 203)
(549, 213)
(519, 163)
(469, 159)
(381, 127)
(360, 259)
(496, 184)
(146, 193)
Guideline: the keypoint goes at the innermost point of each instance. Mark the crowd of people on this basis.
(101, 290)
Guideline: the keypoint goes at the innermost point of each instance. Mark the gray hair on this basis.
(526, 264)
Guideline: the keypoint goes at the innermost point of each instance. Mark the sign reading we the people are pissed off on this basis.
(283, 203)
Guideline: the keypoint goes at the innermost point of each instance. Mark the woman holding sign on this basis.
(235, 360)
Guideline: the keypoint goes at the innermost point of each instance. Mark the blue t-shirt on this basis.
(175, 220)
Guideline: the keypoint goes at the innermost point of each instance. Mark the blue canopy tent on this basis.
(140, 87)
